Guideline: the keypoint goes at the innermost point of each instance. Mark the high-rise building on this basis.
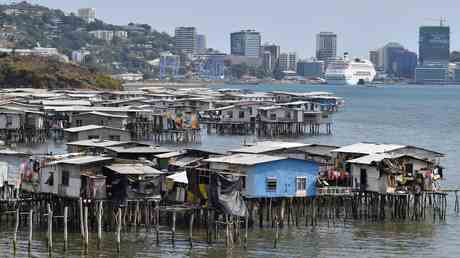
(274, 51)
(374, 57)
(432, 73)
(394, 60)
(326, 46)
(87, 14)
(201, 45)
(310, 69)
(267, 61)
(288, 61)
(245, 43)
(434, 44)
(186, 39)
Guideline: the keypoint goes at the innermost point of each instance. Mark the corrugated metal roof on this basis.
(90, 127)
(81, 160)
(103, 114)
(244, 159)
(83, 128)
(96, 143)
(133, 169)
(66, 103)
(368, 159)
(267, 146)
(169, 155)
(139, 149)
(368, 148)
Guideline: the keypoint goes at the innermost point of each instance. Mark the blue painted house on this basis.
(270, 176)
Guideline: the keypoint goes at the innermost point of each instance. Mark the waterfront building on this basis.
(211, 66)
(456, 73)
(374, 57)
(310, 69)
(186, 39)
(64, 177)
(270, 176)
(245, 43)
(288, 61)
(99, 118)
(106, 35)
(169, 65)
(267, 61)
(201, 44)
(398, 61)
(434, 44)
(275, 52)
(432, 73)
(394, 60)
(100, 132)
(326, 46)
(87, 14)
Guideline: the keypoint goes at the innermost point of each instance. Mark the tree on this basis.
(277, 73)
(237, 71)
(261, 73)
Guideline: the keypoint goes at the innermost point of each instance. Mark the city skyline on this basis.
(297, 32)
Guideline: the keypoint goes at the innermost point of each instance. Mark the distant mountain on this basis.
(24, 25)
(49, 73)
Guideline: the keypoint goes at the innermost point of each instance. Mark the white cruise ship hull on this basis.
(350, 73)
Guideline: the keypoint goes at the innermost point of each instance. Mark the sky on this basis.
(361, 25)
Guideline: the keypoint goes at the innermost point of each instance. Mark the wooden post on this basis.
(192, 216)
(50, 228)
(86, 229)
(16, 228)
(157, 222)
(82, 227)
(119, 230)
(30, 230)
(99, 223)
(246, 222)
(66, 212)
(173, 229)
(277, 223)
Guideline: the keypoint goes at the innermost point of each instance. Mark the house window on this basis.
(408, 168)
(230, 114)
(272, 116)
(90, 137)
(301, 183)
(102, 122)
(65, 178)
(50, 180)
(115, 137)
(241, 114)
(271, 184)
(9, 121)
(79, 122)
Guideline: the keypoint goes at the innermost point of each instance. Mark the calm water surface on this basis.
(426, 116)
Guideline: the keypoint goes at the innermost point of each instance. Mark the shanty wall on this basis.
(92, 119)
(286, 173)
(72, 190)
(103, 134)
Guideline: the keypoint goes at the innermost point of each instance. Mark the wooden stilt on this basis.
(66, 211)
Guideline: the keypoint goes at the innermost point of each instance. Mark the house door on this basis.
(363, 179)
(301, 186)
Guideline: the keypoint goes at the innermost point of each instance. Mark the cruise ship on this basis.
(354, 72)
